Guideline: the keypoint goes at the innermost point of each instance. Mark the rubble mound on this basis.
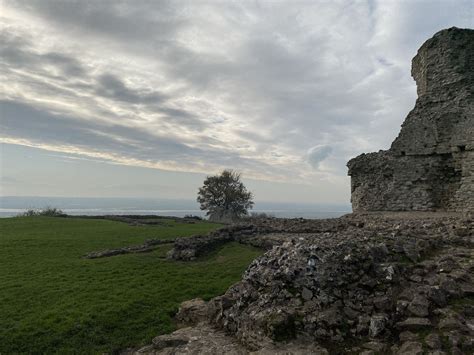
(371, 281)
(430, 165)
(263, 233)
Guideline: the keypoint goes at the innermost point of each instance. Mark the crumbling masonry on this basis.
(430, 165)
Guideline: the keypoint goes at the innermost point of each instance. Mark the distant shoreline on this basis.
(8, 213)
(13, 205)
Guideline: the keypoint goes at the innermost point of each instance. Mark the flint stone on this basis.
(419, 306)
(192, 312)
(414, 323)
(451, 321)
(438, 296)
(377, 325)
(407, 336)
(375, 346)
(306, 294)
(410, 348)
(433, 341)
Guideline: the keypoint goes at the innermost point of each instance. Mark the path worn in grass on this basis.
(52, 300)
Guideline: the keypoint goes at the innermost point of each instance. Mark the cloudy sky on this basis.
(144, 98)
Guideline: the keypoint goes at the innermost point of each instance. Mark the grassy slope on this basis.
(51, 300)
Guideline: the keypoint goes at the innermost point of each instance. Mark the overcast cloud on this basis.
(282, 91)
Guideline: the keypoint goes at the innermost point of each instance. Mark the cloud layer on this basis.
(281, 91)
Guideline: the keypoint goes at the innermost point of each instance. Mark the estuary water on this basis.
(14, 205)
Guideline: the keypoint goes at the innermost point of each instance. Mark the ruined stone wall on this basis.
(464, 197)
(430, 165)
(397, 183)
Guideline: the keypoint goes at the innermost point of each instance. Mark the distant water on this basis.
(13, 205)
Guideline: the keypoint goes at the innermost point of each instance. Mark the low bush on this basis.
(47, 212)
(261, 215)
(190, 216)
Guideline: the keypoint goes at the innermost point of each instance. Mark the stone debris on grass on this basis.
(305, 291)
(146, 247)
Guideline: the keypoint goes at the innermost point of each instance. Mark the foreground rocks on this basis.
(362, 284)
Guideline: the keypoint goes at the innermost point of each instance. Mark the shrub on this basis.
(261, 215)
(191, 216)
(47, 211)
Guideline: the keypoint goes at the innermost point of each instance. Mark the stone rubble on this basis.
(262, 233)
(365, 283)
(146, 247)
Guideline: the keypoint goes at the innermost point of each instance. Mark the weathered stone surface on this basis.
(201, 339)
(433, 341)
(414, 323)
(192, 312)
(430, 165)
(419, 306)
(411, 348)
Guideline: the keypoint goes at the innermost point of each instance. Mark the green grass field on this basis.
(53, 301)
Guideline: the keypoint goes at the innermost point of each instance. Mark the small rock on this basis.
(410, 348)
(168, 341)
(379, 348)
(382, 302)
(451, 321)
(411, 252)
(379, 252)
(407, 336)
(416, 278)
(433, 341)
(414, 323)
(454, 338)
(192, 312)
(437, 295)
(451, 287)
(377, 325)
(419, 306)
(306, 294)
(448, 264)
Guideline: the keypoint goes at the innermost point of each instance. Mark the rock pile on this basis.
(189, 248)
(263, 233)
(363, 283)
(375, 282)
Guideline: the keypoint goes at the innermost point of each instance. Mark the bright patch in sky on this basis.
(284, 92)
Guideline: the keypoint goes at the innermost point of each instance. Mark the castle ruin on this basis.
(430, 165)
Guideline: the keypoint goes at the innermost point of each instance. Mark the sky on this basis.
(146, 98)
